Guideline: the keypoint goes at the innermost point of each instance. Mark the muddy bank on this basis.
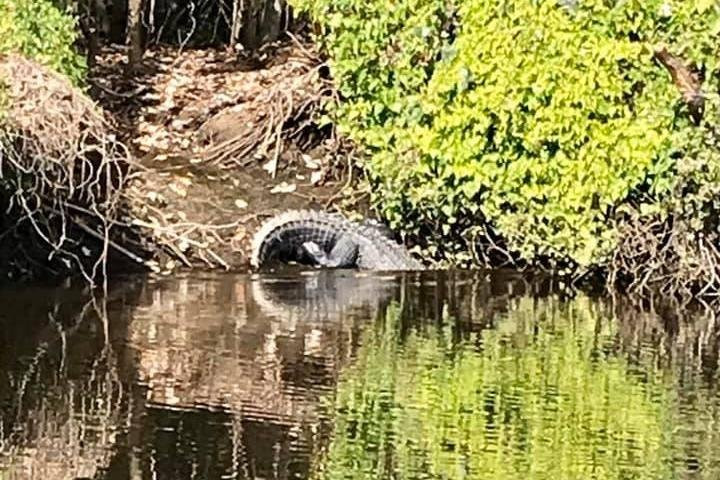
(215, 142)
(223, 142)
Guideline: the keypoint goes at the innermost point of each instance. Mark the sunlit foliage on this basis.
(543, 119)
(39, 30)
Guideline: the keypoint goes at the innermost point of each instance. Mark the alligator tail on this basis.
(290, 229)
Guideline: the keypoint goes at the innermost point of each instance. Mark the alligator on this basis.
(329, 240)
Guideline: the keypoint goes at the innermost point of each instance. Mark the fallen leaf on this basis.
(270, 166)
(178, 189)
(153, 265)
(316, 176)
(184, 180)
(284, 187)
(179, 124)
(310, 162)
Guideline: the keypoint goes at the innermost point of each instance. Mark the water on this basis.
(342, 375)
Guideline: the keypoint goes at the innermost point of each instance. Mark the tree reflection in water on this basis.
(346, 375)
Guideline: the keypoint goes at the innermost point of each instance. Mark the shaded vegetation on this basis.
(63, 172)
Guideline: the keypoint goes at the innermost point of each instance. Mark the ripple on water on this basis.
(345, 375)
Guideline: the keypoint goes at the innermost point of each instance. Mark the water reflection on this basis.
(60, 395)
(250, 357)
(348, 375)
(553, 390)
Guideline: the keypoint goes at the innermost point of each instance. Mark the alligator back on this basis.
(280, 239)
(379, 251)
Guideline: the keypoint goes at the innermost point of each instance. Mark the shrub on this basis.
(39, 30)
(539, 119)
(673, 247)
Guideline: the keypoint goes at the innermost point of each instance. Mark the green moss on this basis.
(540, 120)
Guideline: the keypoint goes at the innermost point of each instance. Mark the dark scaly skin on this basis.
(331, 241)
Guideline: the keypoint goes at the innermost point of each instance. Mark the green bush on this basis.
(39, 30)
(537, 118)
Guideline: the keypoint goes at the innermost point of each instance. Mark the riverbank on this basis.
(216, 143)
(223, 141)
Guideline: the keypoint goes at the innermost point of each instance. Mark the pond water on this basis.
(342, 375)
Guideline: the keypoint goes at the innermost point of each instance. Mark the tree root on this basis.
(61, 174)
(665, 257)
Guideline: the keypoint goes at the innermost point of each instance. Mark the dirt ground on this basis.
(223, 143)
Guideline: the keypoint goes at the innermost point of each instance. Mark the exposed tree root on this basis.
(277, 114)
(666, 257)
(223, 143)
(61, 175)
